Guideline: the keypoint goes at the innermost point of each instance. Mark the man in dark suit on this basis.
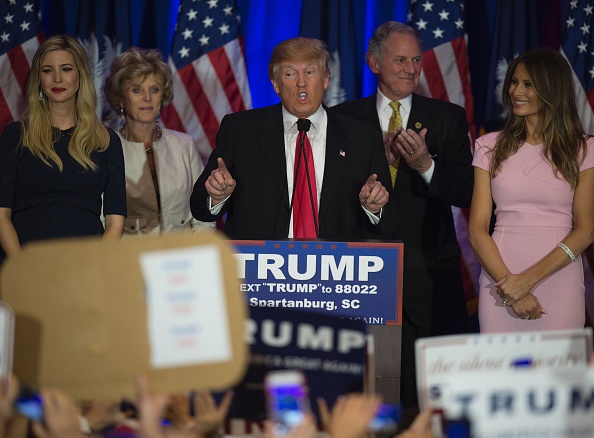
(252, 174)
(430, 156)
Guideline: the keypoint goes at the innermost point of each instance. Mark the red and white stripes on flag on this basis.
(445, 75)
(577, 48)
(20, 36)
(205, 91)
(15, 65)
(209, 72)
(14, 71)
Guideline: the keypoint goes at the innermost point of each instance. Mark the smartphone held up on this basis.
(287, 399)
(29, 403)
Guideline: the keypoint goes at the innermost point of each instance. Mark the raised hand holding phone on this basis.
(29, 403)
(287, 400)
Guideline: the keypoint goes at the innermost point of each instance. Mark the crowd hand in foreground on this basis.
(307, 429)
(421, 427)
(103, 414)
(9, 389)
(351, 415)
(11, 425)
(206, 422)
(61, 416)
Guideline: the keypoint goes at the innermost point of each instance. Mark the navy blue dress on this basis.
(47, 203)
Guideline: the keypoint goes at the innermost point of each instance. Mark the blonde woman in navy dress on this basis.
(539, 173)
(58, 162)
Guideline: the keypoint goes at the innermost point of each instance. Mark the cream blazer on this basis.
(178, 165)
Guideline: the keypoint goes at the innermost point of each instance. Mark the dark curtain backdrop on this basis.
(267, 22)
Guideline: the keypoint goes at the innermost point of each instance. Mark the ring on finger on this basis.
(412, 152)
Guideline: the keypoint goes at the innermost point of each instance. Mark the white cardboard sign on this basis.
(441, 358)
(187, 322)
(527, 403)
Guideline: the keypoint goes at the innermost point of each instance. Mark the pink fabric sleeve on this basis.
(588, 162)
(482, 148)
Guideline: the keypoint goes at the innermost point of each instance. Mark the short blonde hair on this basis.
(132, 67)
(299, 49)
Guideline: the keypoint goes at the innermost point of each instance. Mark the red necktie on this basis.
(305, 198)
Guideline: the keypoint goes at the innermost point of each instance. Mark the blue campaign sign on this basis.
(329, 351)
(357, 280)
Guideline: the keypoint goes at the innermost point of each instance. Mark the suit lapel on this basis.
(421, 117)
(416, 119)
(337, 156)
(272, 142)
(368, 112)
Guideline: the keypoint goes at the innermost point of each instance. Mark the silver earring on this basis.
(40, 95)
(121, 111)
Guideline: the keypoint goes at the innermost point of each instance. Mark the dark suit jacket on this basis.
(433, 290)
(253, 147)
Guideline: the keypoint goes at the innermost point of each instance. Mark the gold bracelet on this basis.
(565, 248)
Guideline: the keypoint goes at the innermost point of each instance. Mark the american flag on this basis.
(445, 75)
(210, 77)
(20, 38)
(578, 48)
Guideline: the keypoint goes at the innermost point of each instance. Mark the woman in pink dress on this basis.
(539, 172)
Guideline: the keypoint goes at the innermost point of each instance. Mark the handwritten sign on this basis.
(361, 281)
(187, 321)
(440, 358)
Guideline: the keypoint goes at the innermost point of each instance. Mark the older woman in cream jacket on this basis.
(161, 164)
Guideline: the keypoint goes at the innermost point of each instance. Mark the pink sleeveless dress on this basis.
(533, 214)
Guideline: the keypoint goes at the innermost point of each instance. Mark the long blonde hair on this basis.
(89, 134)
(563, 134)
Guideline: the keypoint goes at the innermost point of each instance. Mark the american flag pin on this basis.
(342, 153)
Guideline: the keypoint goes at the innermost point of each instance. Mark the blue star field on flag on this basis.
(578, 44)
(20, 36)
(20, 22)
(203, 26)
(437, 22)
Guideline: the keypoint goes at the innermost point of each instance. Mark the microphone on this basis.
(303, 125)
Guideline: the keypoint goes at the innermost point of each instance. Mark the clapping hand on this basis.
(390, 147)
(413, 149)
